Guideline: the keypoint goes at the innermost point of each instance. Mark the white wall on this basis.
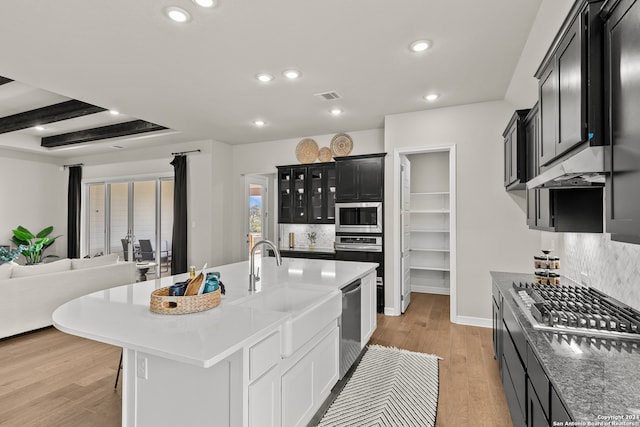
(263, 157)
(523, 89)
(33, 194)
(491, 230)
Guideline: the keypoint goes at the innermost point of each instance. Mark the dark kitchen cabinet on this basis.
(292, 194)
(570, 210)
(559, 414)
(515, 152)
(531, 398)
(558, 209)
(570, 84)
(322, 194)
(622, 88)
(360, 178)
(306, 193)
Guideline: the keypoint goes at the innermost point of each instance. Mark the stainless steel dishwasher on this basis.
(350, 327)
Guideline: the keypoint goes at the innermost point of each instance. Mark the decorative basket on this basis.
(307, 151)
(324, 154)
(341, 145)
(163, 303)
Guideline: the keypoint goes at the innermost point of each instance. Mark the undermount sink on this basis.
(310, 310)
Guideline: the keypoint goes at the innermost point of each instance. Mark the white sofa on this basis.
(30, 294)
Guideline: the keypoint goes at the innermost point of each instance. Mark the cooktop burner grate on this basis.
(576, 309)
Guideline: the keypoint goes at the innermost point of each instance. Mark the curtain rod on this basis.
(185, 152)
(69, 166)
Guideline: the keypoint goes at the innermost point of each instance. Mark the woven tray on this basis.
(341, 145)
(307, 151)
(162, 303)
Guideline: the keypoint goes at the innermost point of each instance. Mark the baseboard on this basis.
(474, 321)
(389, 311)
(424, 289)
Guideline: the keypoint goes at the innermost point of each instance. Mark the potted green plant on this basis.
(33, 245)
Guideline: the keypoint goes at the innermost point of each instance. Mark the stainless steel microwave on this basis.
(359, 217)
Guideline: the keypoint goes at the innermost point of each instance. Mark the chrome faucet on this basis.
(253, 278)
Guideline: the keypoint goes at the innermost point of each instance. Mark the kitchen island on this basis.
(264, 358)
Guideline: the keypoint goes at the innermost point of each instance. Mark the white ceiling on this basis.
(199, 78)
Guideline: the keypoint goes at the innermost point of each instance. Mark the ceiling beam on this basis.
(99, 133)
(4, 80)
(52, 113)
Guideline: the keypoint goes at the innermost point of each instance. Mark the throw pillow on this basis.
(5, 270)
(78, 264)
(34, 270)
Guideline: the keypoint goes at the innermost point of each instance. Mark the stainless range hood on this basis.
(585, 167)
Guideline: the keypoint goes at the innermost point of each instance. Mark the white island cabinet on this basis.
(268, 358)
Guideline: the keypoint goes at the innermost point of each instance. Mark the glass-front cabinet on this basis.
(322, 193)
(307, 194)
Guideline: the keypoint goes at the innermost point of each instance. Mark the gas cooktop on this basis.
(577, 310)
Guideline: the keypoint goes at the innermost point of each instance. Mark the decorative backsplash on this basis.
(325, 235)
(612, 267)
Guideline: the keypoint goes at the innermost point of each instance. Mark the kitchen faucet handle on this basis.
(258, 274)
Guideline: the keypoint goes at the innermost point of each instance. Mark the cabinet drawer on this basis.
(536, 417)
(264, 355)
(539, 380)
(515, 410)
(515, 370)
(515, 330)
(558, 411)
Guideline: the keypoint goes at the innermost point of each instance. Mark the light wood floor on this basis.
(48, 378)
(471, 392)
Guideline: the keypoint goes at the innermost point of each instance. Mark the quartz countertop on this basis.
(120, 316)
(594, 378)
(308, 249)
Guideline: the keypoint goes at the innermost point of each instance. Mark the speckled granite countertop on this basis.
(594, 381)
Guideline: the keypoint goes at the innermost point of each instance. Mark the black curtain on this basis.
(179, 240)
(73, 211)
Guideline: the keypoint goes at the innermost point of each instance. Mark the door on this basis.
(120, 214)
(623, 91)
(548, 115)
(256, 202)
(405, 237)
(570, 89)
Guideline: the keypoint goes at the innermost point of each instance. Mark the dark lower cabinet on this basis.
(531, 397)
(535, 415)
(559, 413)
(515, 375)
(622, 92)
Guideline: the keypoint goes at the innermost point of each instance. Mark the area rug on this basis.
(389, 387)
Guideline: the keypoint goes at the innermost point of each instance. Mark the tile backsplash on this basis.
(612, 267)
(325, 235)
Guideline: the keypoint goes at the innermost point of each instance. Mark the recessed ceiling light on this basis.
(114, 112)
(177, 14)
(336, 111)
(291, 74)
(39, 128)
(259, 123)
(264, 77)
(205, 3)
(420, 45)
(432, 97)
